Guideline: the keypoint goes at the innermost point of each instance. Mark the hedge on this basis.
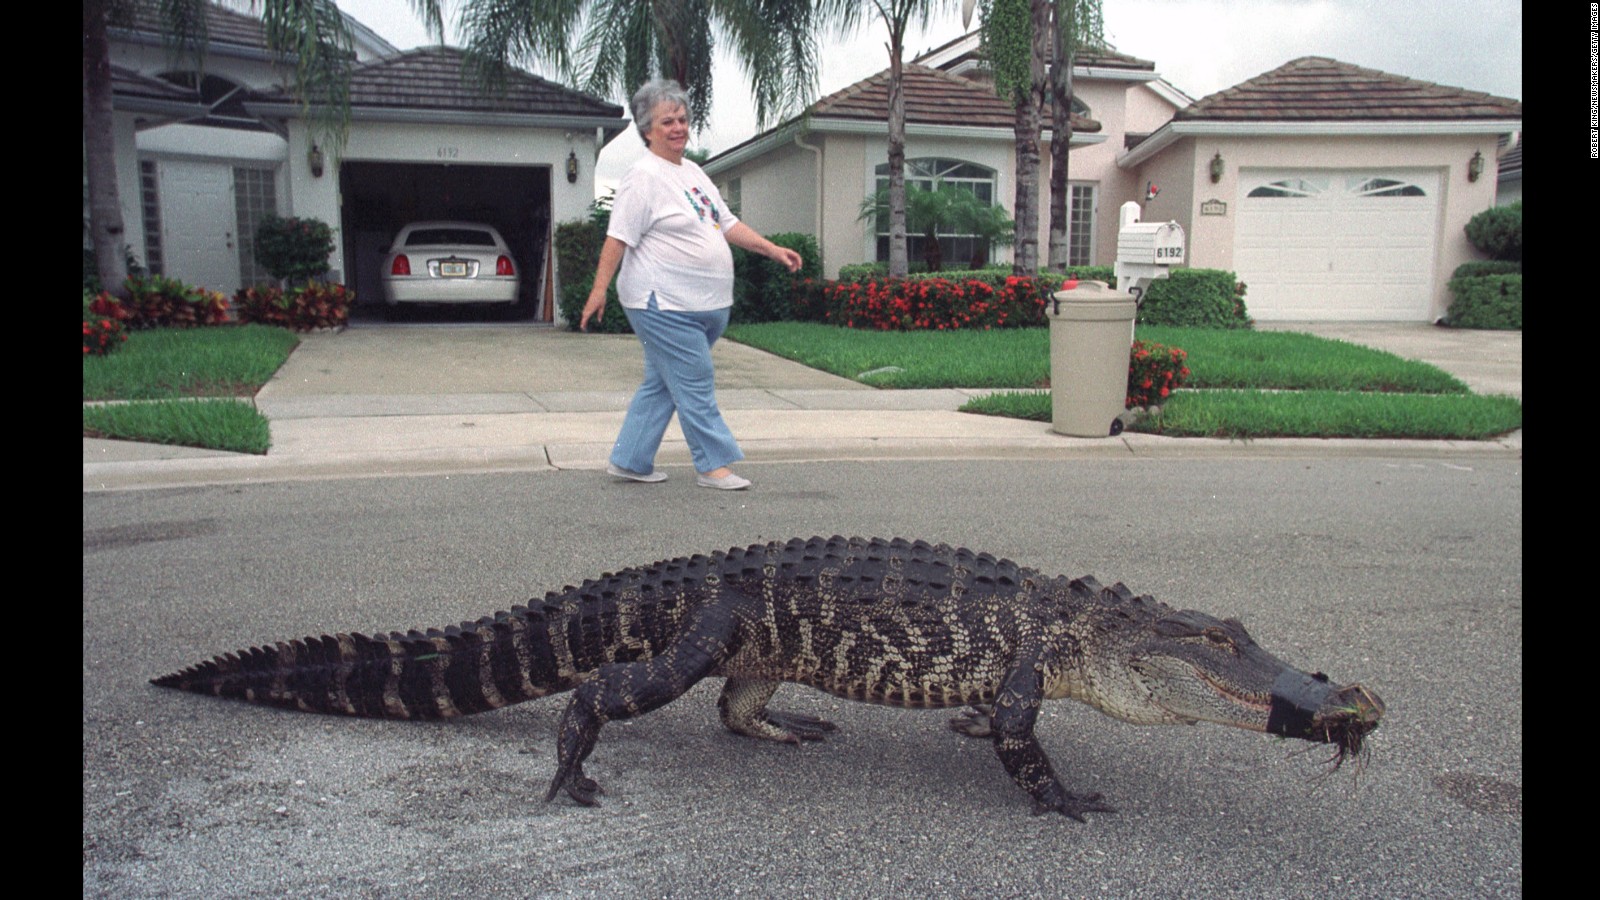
(1488, 301)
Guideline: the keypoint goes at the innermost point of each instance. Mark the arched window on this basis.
(927, 173)
(225, 99)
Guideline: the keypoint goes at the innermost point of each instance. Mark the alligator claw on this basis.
(1073, 806)
(974, 721)
(801, 728)
(577, 785)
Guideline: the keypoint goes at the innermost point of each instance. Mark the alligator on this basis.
(894, 622)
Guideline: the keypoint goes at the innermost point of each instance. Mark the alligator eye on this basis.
(1221, 638)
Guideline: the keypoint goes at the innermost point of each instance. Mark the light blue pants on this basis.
(677, 377)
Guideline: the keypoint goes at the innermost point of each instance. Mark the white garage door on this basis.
(1352, 245)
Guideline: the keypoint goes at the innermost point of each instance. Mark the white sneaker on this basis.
(647, 477)
(728, 482)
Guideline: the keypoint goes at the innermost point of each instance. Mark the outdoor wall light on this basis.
(314, 160)
(1216, 168)
(1151, 189)
(572, 167)
(1475, 165)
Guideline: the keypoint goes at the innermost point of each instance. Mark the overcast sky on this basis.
(1200, 46)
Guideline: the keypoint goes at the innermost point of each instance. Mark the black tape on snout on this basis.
(1296, 697)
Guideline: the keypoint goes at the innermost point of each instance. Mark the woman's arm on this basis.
(610, 258)
(742, 235)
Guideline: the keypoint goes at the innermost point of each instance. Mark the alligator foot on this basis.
(975, 721)
(579, 787)
(1073, 806)
(743, 707)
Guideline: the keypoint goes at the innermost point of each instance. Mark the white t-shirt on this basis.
(675, 225)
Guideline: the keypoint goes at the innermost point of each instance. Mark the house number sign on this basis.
(449, 152)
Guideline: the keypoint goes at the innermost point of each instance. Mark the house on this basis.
(1335, 192)
(201, 158)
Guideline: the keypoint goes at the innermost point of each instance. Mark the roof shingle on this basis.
(932, 97)
(1315, 88)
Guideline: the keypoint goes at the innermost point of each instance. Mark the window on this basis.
(1080, 226)
(254, 198)
(732, 194)
(1347, 186)
(954, 247)
(150, 216)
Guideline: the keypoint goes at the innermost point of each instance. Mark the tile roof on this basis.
(432, 78)
(933, 97)
(1511, 161)
(1107, 58)
(223, 26)
(1315, 88)
(127, 82)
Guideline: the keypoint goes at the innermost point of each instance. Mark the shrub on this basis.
(1489, 301)
(293, 249)
(1497, 231)
(157, 301)
(938, 304)
(577, 253)
(1197, 298)
(102, 335)
(1480, 267)
(316, 305)
(1154, 372)
(763, 290)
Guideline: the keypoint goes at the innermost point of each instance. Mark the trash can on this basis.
(1090, 325)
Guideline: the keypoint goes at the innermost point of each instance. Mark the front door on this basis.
(198, 224)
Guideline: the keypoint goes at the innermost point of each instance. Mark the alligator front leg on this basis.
(625, 690)
(743, 706)
(1016, 709)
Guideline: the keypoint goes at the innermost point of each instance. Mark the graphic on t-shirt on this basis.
(702, 204)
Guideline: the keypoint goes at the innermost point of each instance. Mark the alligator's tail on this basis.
(464, 669)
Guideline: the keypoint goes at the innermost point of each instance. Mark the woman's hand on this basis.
(789, 258)
(593, 308)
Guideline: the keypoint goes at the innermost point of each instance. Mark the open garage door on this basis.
(378, 198)
(1352, 245)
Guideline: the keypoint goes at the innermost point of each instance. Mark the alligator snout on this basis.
(1312, 708)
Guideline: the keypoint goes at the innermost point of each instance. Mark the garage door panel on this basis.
(1353, 244)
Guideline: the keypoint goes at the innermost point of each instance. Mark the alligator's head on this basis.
(1186, 667)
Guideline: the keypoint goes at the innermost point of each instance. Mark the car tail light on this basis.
(400, 266)
(502, 266)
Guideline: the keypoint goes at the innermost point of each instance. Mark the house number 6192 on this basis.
(449, 152)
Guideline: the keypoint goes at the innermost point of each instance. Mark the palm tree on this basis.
(309, 35)
(609, 47)
(1015, 35)
(1079, 24)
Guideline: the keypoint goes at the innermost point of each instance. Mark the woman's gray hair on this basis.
(653, 94)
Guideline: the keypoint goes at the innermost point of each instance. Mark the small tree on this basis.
(293, 249)
(947, 209)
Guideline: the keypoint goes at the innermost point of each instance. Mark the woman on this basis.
(669, 235)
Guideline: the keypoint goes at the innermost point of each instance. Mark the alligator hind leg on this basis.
(743, 706)
(625, 690)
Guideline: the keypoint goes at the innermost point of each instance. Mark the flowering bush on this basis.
(293, 249)
(938, 304)
(156, 301)
(102, 335)
(1154, 372)
(317, 305)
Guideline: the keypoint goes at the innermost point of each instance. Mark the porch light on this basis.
(572, 167)
(314, 160)
(1475, 165)
(1216, 168)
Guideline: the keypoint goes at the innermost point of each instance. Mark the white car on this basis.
(449, 262)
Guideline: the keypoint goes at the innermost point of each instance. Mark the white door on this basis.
(198, 224)
(1352, 245)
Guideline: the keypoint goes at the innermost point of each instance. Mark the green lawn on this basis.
(1243, 383)
(158, 372)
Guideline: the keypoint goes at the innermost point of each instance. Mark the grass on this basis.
(1244, 383)
(213, 424)
(160, 372)
(166, 363)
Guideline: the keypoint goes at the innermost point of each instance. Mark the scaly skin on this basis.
(891, 622)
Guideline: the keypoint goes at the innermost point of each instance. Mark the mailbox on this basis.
(1145, 250)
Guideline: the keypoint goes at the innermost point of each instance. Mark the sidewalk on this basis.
(413, 400)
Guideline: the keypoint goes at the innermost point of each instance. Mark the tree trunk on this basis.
(99, 152)
(1028, 125)
(899, 265)
(1060, 137)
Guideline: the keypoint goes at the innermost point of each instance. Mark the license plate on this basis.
(453, 269)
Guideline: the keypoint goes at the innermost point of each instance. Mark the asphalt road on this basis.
(1405, 575)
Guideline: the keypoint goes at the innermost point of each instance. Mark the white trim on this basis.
(1171, 93)
(1172, 132)
(782, 135)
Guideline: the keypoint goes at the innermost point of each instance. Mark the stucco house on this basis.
(1335, 192)
(201, 160)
